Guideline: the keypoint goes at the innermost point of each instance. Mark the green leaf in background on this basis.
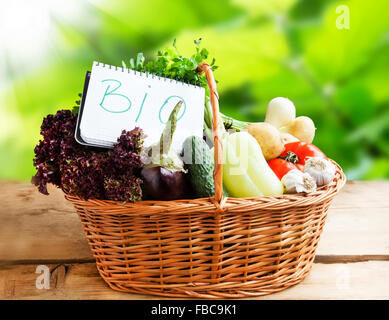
(263, 49)
(356, 102)
(333, 53)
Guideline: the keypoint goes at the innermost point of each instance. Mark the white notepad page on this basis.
(120, 98)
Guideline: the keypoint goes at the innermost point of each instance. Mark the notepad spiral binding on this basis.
(143, 74)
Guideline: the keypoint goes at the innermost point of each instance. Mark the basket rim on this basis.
(266, 202)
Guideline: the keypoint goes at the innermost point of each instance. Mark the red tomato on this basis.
(302, 150)
(281, 167)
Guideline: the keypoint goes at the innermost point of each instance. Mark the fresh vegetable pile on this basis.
(263, 158)
(285, 162)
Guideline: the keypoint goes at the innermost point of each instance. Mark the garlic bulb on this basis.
(296, 181)
(321, 170)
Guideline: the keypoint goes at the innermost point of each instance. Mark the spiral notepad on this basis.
(117, 98)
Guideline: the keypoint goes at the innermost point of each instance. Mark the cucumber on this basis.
(199, 162)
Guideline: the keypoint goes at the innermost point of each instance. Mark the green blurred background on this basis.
(264, 49)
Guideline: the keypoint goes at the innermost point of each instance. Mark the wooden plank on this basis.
(363, 194)
(362, 280)
(38, 228)
(355, 231)
(358, 221)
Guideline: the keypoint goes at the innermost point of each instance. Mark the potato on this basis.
(268, 137)
(287, 138)
(302, 128)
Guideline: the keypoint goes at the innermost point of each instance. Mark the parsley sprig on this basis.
(171, 64)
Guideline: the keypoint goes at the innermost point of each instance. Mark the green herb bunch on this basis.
(171, 64)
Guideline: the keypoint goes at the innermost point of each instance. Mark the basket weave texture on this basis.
(210, 247)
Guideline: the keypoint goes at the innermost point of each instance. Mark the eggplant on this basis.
(165, 178)
(160, 183)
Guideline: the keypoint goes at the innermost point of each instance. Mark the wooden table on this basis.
(352, 261)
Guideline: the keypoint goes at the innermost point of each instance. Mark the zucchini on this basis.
(199, 162)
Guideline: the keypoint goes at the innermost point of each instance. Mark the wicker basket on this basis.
(211, 247)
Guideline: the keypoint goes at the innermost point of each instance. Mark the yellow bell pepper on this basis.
(245, 170)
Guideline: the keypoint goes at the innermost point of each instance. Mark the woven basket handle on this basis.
(216, 129)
